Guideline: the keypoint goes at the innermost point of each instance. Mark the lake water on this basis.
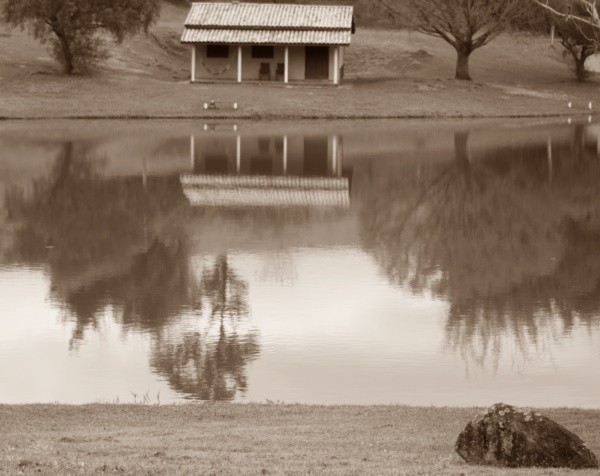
(444, 263)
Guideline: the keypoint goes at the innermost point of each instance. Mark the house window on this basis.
(217, 51)
(263, 52)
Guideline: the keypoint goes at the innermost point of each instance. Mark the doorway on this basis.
(315, 156)
(317, 62)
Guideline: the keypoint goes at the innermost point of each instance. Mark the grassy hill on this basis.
(389, 73)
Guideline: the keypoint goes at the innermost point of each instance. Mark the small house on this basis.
(267, 42)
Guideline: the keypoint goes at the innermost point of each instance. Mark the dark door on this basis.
(216, 164)
(261, 165)
(315, 156)
(317, 62)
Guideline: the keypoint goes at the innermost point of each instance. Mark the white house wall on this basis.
(297, 63)
(215, 64)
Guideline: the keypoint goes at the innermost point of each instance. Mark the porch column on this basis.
(285, 154)
(145, 174)
(193, 152)
(336, 65)
(193, 77)
(239, 64)
(238, 154)
(549, 156)
(334, 156)
(286, 73)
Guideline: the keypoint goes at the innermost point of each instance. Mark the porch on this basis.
(267, 63)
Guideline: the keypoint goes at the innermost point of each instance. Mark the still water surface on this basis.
(352, 262)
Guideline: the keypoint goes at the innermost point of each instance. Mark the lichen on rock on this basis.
(518, 437)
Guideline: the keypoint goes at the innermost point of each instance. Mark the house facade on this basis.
(267, 42)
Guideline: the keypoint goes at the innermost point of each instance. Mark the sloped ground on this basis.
(389, 74)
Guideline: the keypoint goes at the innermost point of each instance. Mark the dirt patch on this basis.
(527, 92)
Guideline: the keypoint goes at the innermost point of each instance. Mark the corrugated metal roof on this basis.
(267, 198)
(269, 181)
(245, 191)
(264, 16)
(270, 37)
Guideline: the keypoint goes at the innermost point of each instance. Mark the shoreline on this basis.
(293, 117)
(226, 438)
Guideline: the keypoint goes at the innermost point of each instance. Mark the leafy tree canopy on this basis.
(76, 29)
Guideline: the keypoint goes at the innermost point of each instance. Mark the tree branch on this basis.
(594, 20)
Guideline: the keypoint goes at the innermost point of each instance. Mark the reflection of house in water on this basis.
(238, 170)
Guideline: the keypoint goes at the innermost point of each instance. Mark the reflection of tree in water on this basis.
(75, 220)
(91, 232)
(538, 310)
(503, 244)
(118, 245)
(210, 365)
(148, 295)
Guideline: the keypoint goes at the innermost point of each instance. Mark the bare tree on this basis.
(464, 24)
(577, 25)
(584, 12)
(580, 42)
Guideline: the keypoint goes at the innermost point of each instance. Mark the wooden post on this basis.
(286, 73)
(193, 63)
(336, 65)
(239, 64)
(552, 35)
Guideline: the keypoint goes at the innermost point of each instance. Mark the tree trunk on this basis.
(461, 150)
(66, 52)
(580, 70)
(462, 65)
(63, 169)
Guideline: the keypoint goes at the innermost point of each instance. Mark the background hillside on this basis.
(390, 72)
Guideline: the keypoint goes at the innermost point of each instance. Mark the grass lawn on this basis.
(248, 439)
(389, 74)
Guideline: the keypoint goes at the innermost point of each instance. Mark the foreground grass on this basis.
(248, 439)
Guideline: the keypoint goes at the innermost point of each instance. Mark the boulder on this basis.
(513, 437)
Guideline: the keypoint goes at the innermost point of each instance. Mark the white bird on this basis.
(569, 120)
(590, 105)
(570, 104)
